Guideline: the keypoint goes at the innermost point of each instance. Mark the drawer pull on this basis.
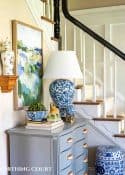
(85, 145)
(85, 160)
(70, 157)
(85, 130)
(70, 140)
(70, 173)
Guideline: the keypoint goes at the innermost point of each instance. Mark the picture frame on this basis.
(27, 44)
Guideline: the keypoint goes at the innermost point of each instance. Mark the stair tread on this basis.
(44, 0)
(79, 87)
(119, 135)
(54, 39)
(88, 102)
(109, 118)
(47, 19)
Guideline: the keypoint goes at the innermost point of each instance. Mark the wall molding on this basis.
(99, 10)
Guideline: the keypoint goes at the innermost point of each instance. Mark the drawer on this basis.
(80, 133)
(67, 171)
(66, 141)
(81, 163)
(65, 159)
(80, 148)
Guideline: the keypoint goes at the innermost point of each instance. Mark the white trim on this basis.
(84, 68)
(115, 86)
(94, 72)
(74, 38)
(98, 10)
(65, 34)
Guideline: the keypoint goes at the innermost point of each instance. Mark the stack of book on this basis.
(44, 125)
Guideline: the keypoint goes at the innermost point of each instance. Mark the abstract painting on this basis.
(27, 46)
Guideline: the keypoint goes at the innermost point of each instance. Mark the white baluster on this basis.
(44, 8)
(81, 47)
(115, 87)
(51, 9)
(47, 9)
(94, 73)
(74, 38)
(80, 93)
(65, 35)
(84, 69)
(104, 81)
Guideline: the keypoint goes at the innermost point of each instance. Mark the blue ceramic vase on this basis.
(62, 93)
(110, 160)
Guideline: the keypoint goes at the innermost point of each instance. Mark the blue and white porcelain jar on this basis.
(62, 92)
(110, 160)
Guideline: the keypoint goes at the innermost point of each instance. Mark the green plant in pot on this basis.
(37, 112)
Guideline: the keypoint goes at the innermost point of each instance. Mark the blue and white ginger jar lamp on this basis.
(63, 67)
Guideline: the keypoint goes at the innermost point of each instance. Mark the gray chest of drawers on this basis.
(60, 152)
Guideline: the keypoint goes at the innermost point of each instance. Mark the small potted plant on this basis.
(37, 112)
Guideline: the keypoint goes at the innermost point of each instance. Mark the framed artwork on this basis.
(28, 48)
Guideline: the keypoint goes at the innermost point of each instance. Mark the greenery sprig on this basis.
(37, 107)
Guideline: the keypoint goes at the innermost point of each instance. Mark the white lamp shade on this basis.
(63, 65)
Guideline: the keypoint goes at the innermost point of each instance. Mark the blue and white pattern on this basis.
(110, 160)
(68, 111)
(37, 115)
(62, 92)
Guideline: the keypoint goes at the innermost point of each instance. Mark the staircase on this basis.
(102, 105)
(99, 105)
(103, 108)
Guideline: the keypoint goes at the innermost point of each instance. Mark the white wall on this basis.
(19, 10)
(14, 9)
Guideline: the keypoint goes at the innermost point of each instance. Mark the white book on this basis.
(45, 128)
(44, 125)
(47, 124)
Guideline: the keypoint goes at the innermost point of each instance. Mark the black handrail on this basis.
(56, 19)
(90, 32)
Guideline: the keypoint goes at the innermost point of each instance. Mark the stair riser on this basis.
(89, 111)
(121, 142)
(89, 91)
(110, 127)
